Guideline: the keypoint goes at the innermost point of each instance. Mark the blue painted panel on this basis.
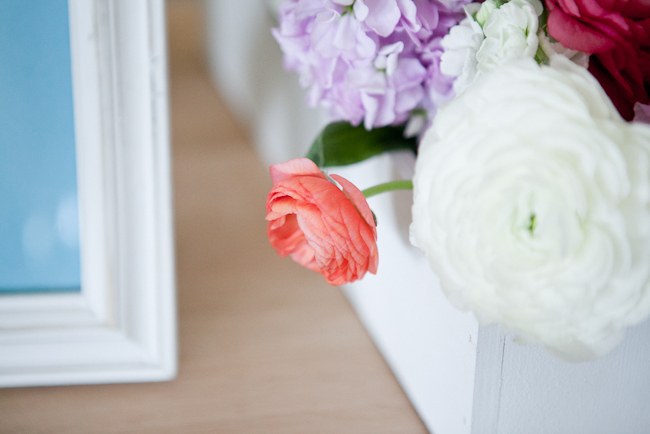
(39, 241)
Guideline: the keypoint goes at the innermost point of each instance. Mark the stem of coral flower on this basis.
(401, 184)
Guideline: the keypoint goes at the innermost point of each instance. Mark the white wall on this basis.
(246, 64)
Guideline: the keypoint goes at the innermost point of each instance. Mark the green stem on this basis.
(402, 184)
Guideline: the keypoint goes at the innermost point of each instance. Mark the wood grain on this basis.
(265, 347)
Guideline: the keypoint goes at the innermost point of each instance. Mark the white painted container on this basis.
(461, 377)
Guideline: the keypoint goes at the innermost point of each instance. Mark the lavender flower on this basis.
(370, 61)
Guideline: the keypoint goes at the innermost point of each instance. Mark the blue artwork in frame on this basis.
(39, 236)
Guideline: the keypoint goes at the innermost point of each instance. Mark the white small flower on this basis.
(460, 46)
(510, 33)
(484, 11)
(490, 36)
(532, 204)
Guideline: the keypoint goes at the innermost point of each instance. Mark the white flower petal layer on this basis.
(532, 204)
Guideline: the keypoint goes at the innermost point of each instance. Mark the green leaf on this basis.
(341, 143)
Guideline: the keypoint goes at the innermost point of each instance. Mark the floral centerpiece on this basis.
(529, 118)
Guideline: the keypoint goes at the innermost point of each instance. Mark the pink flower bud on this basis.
(324, 227)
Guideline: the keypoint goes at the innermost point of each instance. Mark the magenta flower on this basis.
(617, 35)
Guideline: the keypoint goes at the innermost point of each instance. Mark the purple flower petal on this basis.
(383, 15)
(373, 64)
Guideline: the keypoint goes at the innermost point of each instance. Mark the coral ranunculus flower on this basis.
(617, 35)
(324, 227)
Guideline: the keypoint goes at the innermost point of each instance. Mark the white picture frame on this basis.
(121, 326)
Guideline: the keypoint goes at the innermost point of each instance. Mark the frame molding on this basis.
(121, 327)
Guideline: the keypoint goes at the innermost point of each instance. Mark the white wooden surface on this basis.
(537, 393)
(121, 326)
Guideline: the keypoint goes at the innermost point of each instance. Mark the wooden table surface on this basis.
(265, 346)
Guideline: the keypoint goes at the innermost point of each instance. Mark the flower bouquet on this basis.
(529, 119)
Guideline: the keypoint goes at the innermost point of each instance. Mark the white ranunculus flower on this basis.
(532, 204)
